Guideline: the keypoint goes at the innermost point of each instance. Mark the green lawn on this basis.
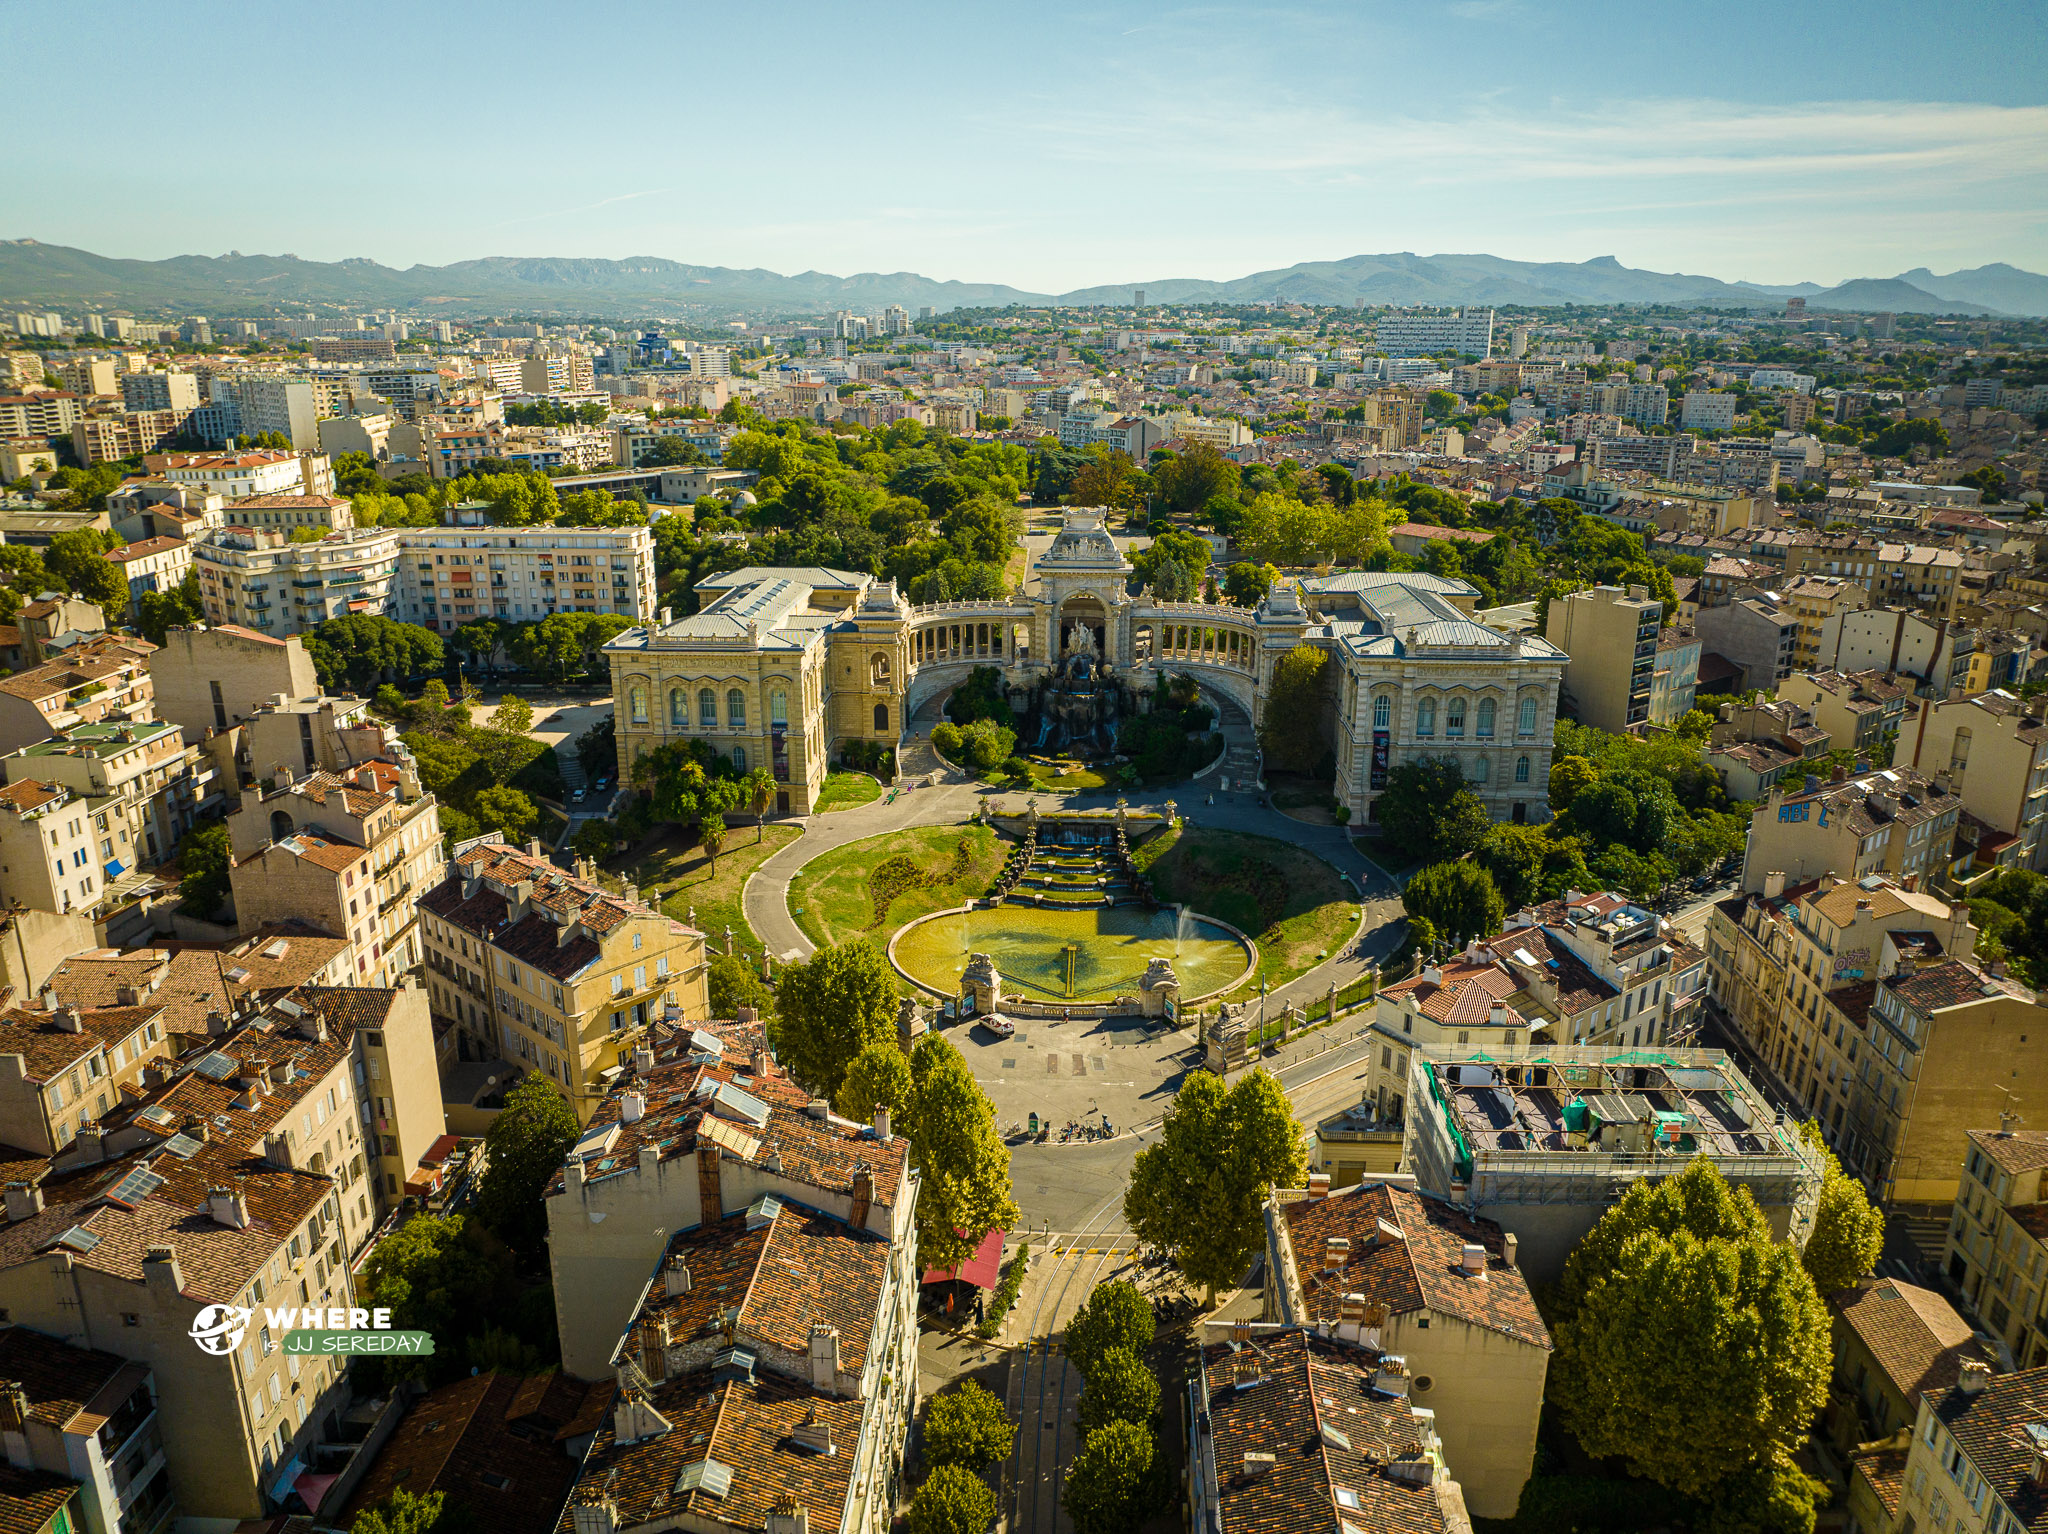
(833, 897)
(847, 790)
(1068, 777)
(684, 878)
(1292, 903)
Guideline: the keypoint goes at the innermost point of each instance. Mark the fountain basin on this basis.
(1112, 946)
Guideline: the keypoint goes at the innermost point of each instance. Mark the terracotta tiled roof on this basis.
(192, 981)
(145, 548)
(49, 1049)
(1307, 1389)
(492, 1443)
(1464, 993)
(61, 1379)
(29, 1499)
(1991, 1426)
(1885, 1471)
(1579, 988)
(29, 795)
(1951, 983)
(1418, 1270)
(2016, 1150)
(1914, 1334)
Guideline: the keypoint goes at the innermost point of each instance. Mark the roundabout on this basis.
(1089, 956)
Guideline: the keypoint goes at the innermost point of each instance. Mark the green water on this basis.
(1113, 946)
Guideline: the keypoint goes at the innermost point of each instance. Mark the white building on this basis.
(1414, 335)
(448, 576)
(255, 577)
(1707, 410)
(235, 476)
(1782, 378)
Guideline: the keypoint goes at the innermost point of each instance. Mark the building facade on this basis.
(256, 578)
(449, 576)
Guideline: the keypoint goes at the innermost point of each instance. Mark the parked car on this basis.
(602, 784)
(1001, 1027)
(576, 797)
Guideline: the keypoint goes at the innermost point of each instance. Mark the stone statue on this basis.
(1080, 639)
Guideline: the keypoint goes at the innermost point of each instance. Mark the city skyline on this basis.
(1131, 146)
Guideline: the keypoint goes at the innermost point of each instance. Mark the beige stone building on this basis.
(84, 1444)
(1997, 1247)
(1610, 636)
(1813, 600)
(157, 787)
(45, 623)
(49, 844)
(63, 1069)
(532, 965)
(257, 578)
(448, 576)
(322, 513)
(349, 854)
(1917, 576)
(209, 678)
(100, 679)
(1975, 1461)
(1863, 712)
(1892, 821)
(1893, 1341)
(1994, 750)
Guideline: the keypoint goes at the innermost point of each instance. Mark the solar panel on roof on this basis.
(135, 1187)
(78, 1238)
(182, 1146)
(729, 1101)
(217, 1066)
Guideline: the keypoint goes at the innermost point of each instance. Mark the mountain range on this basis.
(32, 272)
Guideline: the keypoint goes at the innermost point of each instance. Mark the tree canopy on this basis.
(968, 1427)
(828, 1009)
(1457, 900)
(1294, 732)
(1848, 1231)
(1427, 811)
(525, 1147)
(359, 650)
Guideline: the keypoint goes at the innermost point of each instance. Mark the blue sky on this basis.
(1047, 146)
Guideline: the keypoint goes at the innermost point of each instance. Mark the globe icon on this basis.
(218, 1328)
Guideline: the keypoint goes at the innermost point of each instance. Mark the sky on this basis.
(1049, 146)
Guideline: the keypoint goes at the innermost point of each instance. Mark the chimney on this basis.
(1975, 1376)
(1497, 1015)
(534, 849)
(90, 1145)
(281, 1072)
(643, 1060)
(812, 1435)
(818, 1108)
(1318, 1186)
(1910, 883)
(863, 1196)
(13, 1407)
(788, 1517)
(882, 1123)
(635, 1418)
(1431, 975)
(160, 1270)
(759, 1063)
(67, 1019)
(654, 1347)
(228, 1207)
(24, 1201)
(49, 998)
(631, 1106)
(1510, 1247)
(1336, 1252)
(825, 1358)
(277, 1148)
(710, 1199)
(676, 1274)
(1774, 884)
(1473, 1258)
(216, 1024)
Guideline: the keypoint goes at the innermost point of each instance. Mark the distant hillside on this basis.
(1888, 294)
(654, 286)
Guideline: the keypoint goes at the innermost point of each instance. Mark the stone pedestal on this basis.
(1226, 1045)
(1159, 991)
(983, 984)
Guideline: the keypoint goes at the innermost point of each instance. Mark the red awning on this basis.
(440, 1150)
(983, 1269)
(312, 1487)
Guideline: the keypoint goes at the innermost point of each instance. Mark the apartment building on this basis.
(54, 623)
(1468, 331)
(87, 375)
(1892, 1341)
(256, 578)
(1753, 632)
(1712, 511)
(1932, 655)
(1994, 750)
(146, 786)
(187, 674)
(1440, 1292)
(1707, 410)
(1863, 712)
(240, 475)
(1978, 1461)
(1893, 821)
(533, 965)
(1462, 1001)
(49, 841)
(159, 390)
(1609, 634)
(349, 854)
(237, 1177)
(63, 1069)
(1813, 600)
(1753, 746)
(1674, 684)
(325, 513)
(84, 1442)
(42, 413)
(448, 576)
(1996, 1252)
(1602, 970)
(152, 564)
(1907, 575)
(110, 437)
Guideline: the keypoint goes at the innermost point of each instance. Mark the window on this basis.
(1521, 769)
(1486, 718)
(1479, 770)
(707, 709)
(1425, 717)
(881, 718)
(778, 707)
(1382, 711)
(1526, 725)
(1454, 717)
(739, 758)
(736, 709)
(678, 709)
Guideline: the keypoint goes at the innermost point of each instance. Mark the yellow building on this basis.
(1892, 1342)
(1813, 599)
(1997, 1249)
(1611, 634)
(1861, 713)
(1994, 750)
(1979, 1457)
(1385, 1266)
(535, 966)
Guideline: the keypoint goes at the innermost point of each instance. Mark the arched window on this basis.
(1479, 771)
(736, 709)
(1425, 717)
(778, 707)
(1526, 725)
(1454, 717)
(1382, 711)
(637, 701)
(707, 709)
(881, 718)
(1486, 719)
(679, 709)
(1521, 769)
(280, 824)
(878, 669)
(739, 758)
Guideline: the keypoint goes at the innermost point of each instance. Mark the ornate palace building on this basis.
(784, 667)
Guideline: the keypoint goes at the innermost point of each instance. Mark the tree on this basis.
(967, 1427)
(205, 857)
(878, 1077)
(404, 1513)
(720, 798)
(964, 1165)
(1294, 733)
(506, 810)
(734, 983)
(1427, 811)
(1108, 478)
(362, 649)
(513, 714)
(1458, 900)
(436, 1276)
(1108, 1481)
(597, 749)
(1173, 564)
(1119, 1389)
(1848, 1233)
(1115, 1317)
(158, 612)
(1246, 584)
(1185, 482)
(829, 1008)
(952, 1501)
(99, 583)
(1198, 1193)
(1570, 776)
(1691, 1344)
(524, 1149)
(757, 791)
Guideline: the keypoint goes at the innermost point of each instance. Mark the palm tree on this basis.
(759, 788)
